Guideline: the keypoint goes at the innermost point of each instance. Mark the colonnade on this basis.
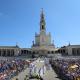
(7, 52)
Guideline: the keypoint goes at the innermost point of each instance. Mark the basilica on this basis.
(41, 46)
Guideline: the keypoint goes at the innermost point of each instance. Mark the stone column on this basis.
(69, 50)
(1, 52)
(6, 52)
(10, 52)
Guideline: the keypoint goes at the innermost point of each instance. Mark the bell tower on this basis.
(42, 22)
(42, 39)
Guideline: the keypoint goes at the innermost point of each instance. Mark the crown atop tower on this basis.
(42, 22)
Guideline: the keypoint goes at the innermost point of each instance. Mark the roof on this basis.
(9, 46)
(73, 46)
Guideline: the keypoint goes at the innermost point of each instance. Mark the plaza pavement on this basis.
(48, 75)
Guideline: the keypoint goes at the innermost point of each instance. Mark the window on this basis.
(42, 26)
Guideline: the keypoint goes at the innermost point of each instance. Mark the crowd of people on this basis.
(68, 69)
(11, 67)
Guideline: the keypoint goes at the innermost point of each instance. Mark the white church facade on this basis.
(42, 44)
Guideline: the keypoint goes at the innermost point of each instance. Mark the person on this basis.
(16, 78)
(41, 78)
(25, 78)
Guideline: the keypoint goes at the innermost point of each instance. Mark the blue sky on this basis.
(19, 20)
